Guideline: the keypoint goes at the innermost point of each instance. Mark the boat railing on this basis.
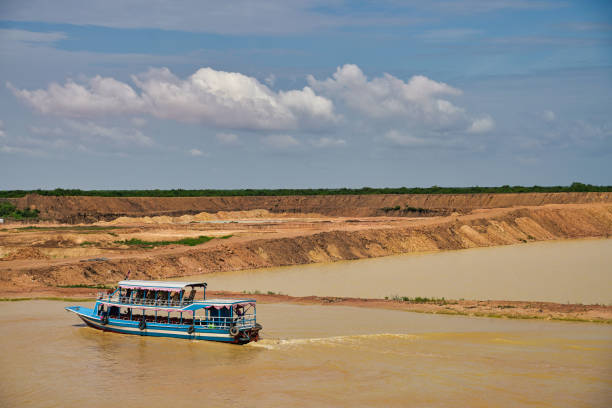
(225, 322)
(209, 323)
(126, 300)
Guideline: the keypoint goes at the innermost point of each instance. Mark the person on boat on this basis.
(189, 298)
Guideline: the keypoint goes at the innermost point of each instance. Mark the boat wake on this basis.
(358, 339)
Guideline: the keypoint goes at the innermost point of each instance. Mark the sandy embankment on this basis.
(278, 231)
(262, 245)
(93, 209)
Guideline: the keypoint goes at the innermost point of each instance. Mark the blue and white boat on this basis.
(165, 309)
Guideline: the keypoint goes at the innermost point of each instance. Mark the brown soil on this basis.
(25, 253)
(92, 209)
(269, 243)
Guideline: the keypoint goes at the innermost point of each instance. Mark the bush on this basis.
(152, 244)
(8, 210)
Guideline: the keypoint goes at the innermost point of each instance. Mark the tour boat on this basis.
(164, 309)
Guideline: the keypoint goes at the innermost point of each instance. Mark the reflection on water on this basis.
(562, 271)
(310, 356)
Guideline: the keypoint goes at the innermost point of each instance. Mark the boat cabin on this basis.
(180, 303)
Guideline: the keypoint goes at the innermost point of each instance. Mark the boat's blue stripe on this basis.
(152, 329)
(88, 313)
(135, 329)
(150, 334)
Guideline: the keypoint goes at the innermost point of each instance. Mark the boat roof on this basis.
(159, 285)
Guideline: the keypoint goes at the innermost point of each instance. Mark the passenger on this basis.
(150, 297)
(190, 297)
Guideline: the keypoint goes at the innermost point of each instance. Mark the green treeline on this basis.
(574, 187)
(8, 210)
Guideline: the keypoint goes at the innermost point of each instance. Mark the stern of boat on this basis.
(248, 335)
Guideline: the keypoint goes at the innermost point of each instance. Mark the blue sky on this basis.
(196, 94)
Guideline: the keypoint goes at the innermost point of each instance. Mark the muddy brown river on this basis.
(310, 356)
(577, 271)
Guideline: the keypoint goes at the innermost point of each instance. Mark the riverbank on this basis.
(474, 308)
(57, 257)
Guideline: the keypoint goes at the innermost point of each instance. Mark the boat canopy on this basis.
(166, 286)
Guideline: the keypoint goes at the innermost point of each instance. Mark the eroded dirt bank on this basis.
(92, 209)
(482, 228)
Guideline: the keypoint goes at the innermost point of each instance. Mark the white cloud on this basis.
(386, 96)
(324, 142)
(228, 138)
(482, 125)
(222, 99)
(196, 152)
(281, 141)
(549, 115)
(2, 132)
(231, 100)
(102, 96)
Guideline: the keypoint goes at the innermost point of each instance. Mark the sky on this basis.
(304, 94)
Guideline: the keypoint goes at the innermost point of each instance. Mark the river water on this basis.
(310, 356)
(562, 271)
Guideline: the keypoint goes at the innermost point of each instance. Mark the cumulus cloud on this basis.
(217, 98)
(233, 101)
(482, 125)
(100, 96)
(281, 141)
(419, 99)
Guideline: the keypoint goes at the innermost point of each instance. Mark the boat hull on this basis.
(159, 330)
